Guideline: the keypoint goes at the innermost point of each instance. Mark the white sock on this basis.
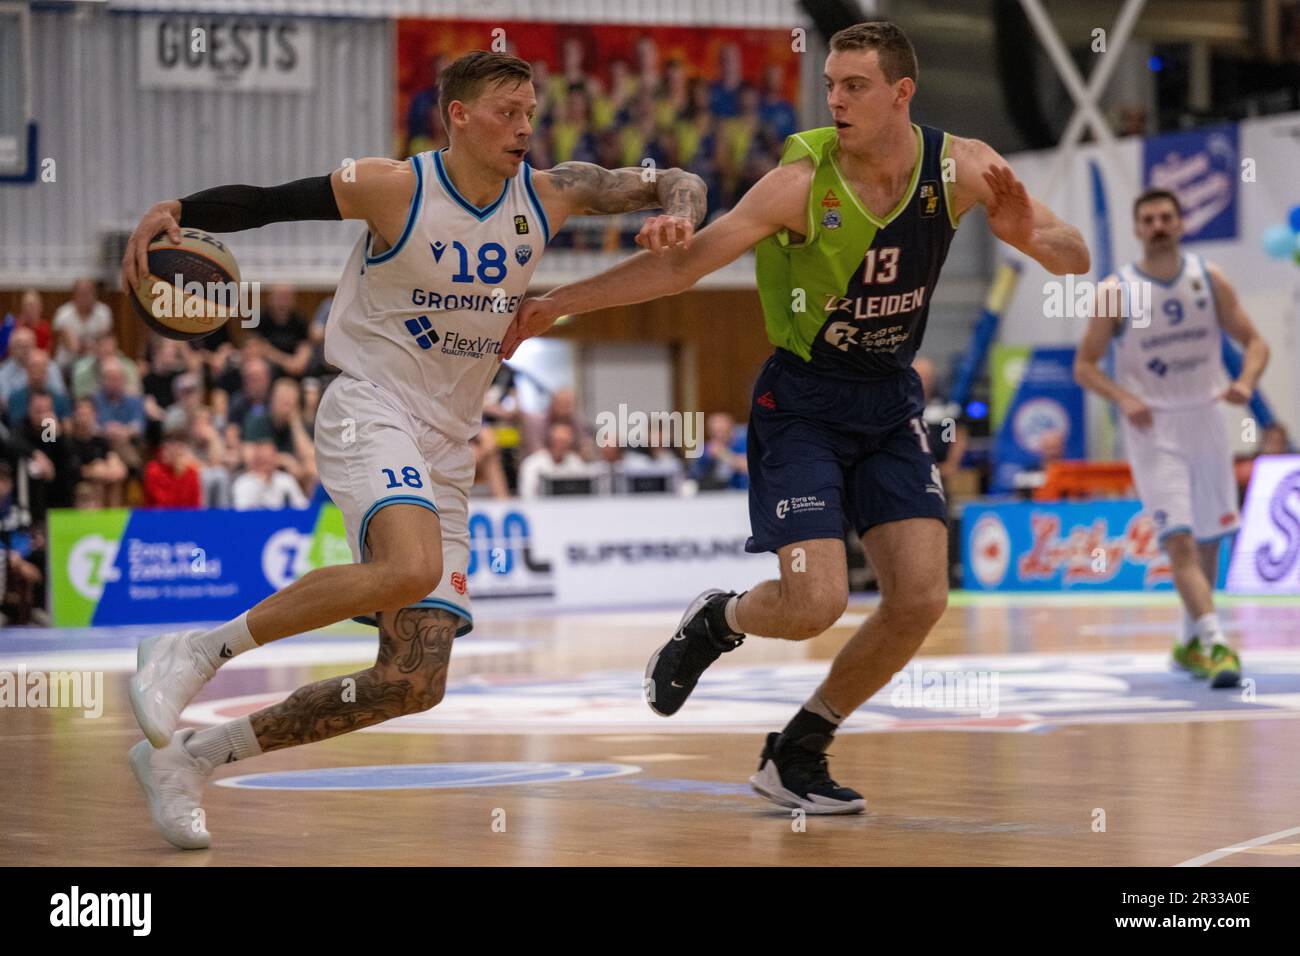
(224, 641)
(729, 612)
(818, 706)
(225, 743)
(1189, 628)
(1209, 630)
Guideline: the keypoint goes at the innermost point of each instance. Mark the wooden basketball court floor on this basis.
(1030, 731)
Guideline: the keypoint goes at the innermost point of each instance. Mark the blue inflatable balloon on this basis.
(1279, 241)
(1294, 218)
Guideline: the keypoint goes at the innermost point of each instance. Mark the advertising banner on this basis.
(1061, 546)
(1267, 556)
(145, 567)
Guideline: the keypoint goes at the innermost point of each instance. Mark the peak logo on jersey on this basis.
(830, 200)
(422, 329)
(438, 248)
(766, 400)
(521, 225)
(929, 194)
(523, 252)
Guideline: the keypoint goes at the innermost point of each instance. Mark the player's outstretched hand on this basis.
(1237, 394)
(534, 317)
(1009, 211)
(661, 233)
(159, 219)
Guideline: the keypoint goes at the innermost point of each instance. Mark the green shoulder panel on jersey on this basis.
(816, 287)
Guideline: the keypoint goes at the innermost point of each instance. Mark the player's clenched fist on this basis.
(661, 233)
(534, 317)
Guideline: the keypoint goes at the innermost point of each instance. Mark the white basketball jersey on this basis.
(424, 320)
(1177, 360)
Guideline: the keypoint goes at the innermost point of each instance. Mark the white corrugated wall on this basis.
(117, 149)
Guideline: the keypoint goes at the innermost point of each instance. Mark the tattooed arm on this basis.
(583, 189)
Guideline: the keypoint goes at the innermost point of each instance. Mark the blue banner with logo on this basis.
(1201, 168)
(1063, 546)
(1047, 408)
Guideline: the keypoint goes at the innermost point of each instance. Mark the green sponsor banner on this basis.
(1006, 369)
(329, 540)
(83, 549)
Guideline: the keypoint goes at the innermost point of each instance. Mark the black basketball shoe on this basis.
(793, 773)
(701, 637)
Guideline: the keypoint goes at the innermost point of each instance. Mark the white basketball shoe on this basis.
(168, 673)
(172, 779)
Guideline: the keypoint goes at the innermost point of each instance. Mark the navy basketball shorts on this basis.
(827, 456)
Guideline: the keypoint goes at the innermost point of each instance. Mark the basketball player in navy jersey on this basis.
(416, 325)
(850, 233)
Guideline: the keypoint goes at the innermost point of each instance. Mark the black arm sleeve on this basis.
(233, 208)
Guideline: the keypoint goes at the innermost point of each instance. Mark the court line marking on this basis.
(1214, 855)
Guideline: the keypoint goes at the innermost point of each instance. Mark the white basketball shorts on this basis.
(1182, 467)
(371, 453)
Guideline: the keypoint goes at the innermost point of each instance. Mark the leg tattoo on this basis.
(408, 676)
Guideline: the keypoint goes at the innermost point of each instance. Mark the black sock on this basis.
(806, 723)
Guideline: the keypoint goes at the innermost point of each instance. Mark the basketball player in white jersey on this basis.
(1169, 381)
(416, 326)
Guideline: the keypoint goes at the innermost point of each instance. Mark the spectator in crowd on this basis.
(777, 112)
(316, 365)
(572, 139)
(559, 459)
(647, 63)
(640, 139)
(119, 413)
(80, 322)
(609, 107)
(283, 333)
(696, 140)
(171, 478)
(489, 476)
(187, 392)
(210, 454)
(31, 308)
(101, 471)
(251, 398)
(40, 378)
(263, 485)
(22, 559)
(51, 469)
(724, 93)
(311, 393)
(673, 96)
(283, 422)
(13, 370)
(87, 371)
(945, 424)
(422, 114)
(746, 147)
(722, 464)
(169, 359)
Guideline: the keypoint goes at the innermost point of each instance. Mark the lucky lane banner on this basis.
(122, 566)
(1065, 546)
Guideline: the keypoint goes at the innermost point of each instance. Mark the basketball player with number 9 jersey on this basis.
(1165, 316)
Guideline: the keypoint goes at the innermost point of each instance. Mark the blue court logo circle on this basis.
(429, 776)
